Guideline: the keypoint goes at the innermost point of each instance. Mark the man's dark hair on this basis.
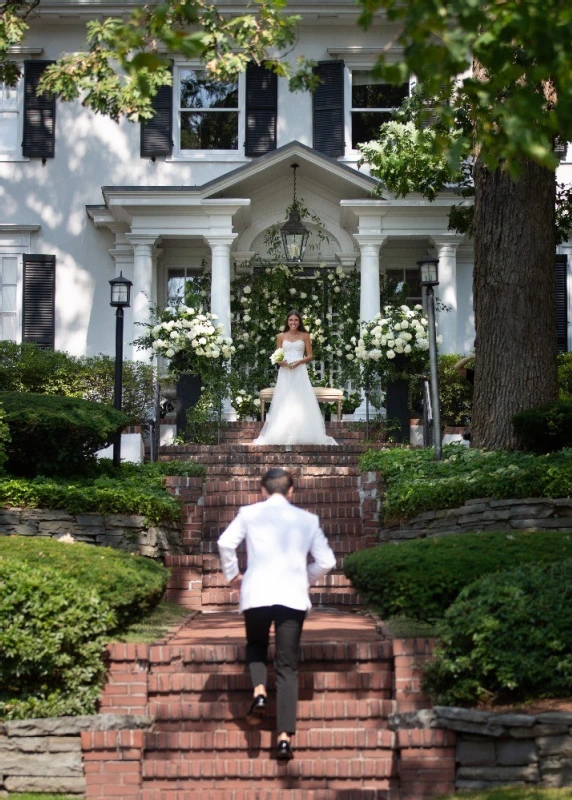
(277, 480)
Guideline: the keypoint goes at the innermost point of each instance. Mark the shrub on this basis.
(129, 585)
(51, 641)
(415, 482)
(421, 578)
(506, 637)
(4, 439)
(455, 393)
(565, 375)
(545, 428)
(28, 368)
(53, 435)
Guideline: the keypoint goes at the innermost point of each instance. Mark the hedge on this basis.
(507, 637)
(52, 435)
(545, 428)
(129, 585)
(131, 489)
(415, 482)
(421, 578)
(4, 439)
(28, 368)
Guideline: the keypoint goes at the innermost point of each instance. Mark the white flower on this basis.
(292, 291)
(246, 318)
(407, 348)
(399, 342)
(339, 271)
(405, 308)
(337, 289)
(404, 325)
(256, 401)
(391, 343)
(238, 400)
(397, 326)
(399, 349)
(315, 298)
(439, 339)
(247, 290)
(303, 295)
(202, 340)
(338, 353)
(390, 354)
(195, 343)
(348, 347)
(424, 322)
(170, 353)
(349, 357)
(418, 307)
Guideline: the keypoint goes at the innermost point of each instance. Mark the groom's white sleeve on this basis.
(227, 543)
(324, 558)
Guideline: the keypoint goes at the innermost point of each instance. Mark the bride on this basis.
(294, 416)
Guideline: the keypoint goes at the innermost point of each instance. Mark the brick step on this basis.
(311, 713)
(377, 764)
(210, 561)
(217, 580)
(187, 682)
(328, 510)
(231, 470)
(228, 792)
(333, 528)
(340, 496)
(345, 596)
(214, 742)
(304, 483)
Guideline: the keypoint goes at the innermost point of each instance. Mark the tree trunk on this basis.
(514, 299)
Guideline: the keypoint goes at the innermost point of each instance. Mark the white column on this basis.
(369, 244)
(369, 303)
(142, 292)
(220, 294)
(447, 245)
(220, 280)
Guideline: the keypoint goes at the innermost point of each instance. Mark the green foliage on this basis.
(129, 585)
(455, 393)
(506, 793)
(202, 421)
(131, 489)
(51, 642)
(4, 439)
(546, 428)
(506, 637)
(420, 578)
(565, 375)
(416, 482)
(28, 368)
(155, 625)
(53, 435)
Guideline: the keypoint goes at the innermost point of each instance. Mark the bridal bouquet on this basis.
(277, 356)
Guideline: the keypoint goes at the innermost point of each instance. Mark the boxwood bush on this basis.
(129, 585)
(565, 375)
(129, 489)
(506, 637)
(4, 439)
(28, 368)
(421, 578)
(52, 634)
(545, 428)
(52, 435)
(415, 482)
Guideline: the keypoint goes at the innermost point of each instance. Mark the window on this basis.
(208, 111)
(10, 131)
(412, 277)
(372, 104)
(8, 296)
(178, 279)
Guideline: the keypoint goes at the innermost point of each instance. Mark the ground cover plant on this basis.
(507, 637)
(154, 625)
(415, 482)
(546, 428)
(512, 793)
(420, 578)
(129, 489)
(59, 605)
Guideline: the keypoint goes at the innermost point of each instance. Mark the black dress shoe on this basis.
(257, 710)
(284, 751)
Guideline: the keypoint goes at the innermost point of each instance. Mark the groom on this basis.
(274, 589)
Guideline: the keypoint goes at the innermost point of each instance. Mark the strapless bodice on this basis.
(293, 350)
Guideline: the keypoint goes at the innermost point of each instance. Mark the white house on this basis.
(84, 198)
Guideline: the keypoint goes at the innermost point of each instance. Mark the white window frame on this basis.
(18, 54)
(15, 241)
(205, 155)
(16, 153)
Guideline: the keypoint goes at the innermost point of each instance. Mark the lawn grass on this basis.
(155, 625)
(512, 793)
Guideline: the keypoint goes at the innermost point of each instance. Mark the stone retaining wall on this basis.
(45, 755)
(536, 513)
(123, 531)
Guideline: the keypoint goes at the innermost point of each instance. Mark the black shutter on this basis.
(39, 140)
(157, 132)
(39, 309)
(561, 304)
(329, 108)
(261, 110)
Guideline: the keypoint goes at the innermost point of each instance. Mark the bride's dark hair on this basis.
(294, 313)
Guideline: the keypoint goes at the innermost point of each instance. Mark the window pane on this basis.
(201, 91)
(175, 284)
(209, 130)
(366, 124)
(8, 326)
(8, 132)
(413, 281)
(370, 92)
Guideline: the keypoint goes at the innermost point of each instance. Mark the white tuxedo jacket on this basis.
(279, 537)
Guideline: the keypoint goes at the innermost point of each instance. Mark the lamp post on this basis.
(120, 299)
(293, 233)
(430, 278)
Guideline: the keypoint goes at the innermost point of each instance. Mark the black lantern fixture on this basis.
(120, 299)
(294, 234)
(429, 267)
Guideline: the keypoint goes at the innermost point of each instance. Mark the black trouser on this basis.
(287, 629)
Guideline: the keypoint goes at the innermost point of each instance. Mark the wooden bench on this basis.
(323, 395)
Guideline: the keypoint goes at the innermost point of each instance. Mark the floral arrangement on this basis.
(277, 356)
(190, 338)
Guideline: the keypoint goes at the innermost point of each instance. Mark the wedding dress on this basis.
(294, 416)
